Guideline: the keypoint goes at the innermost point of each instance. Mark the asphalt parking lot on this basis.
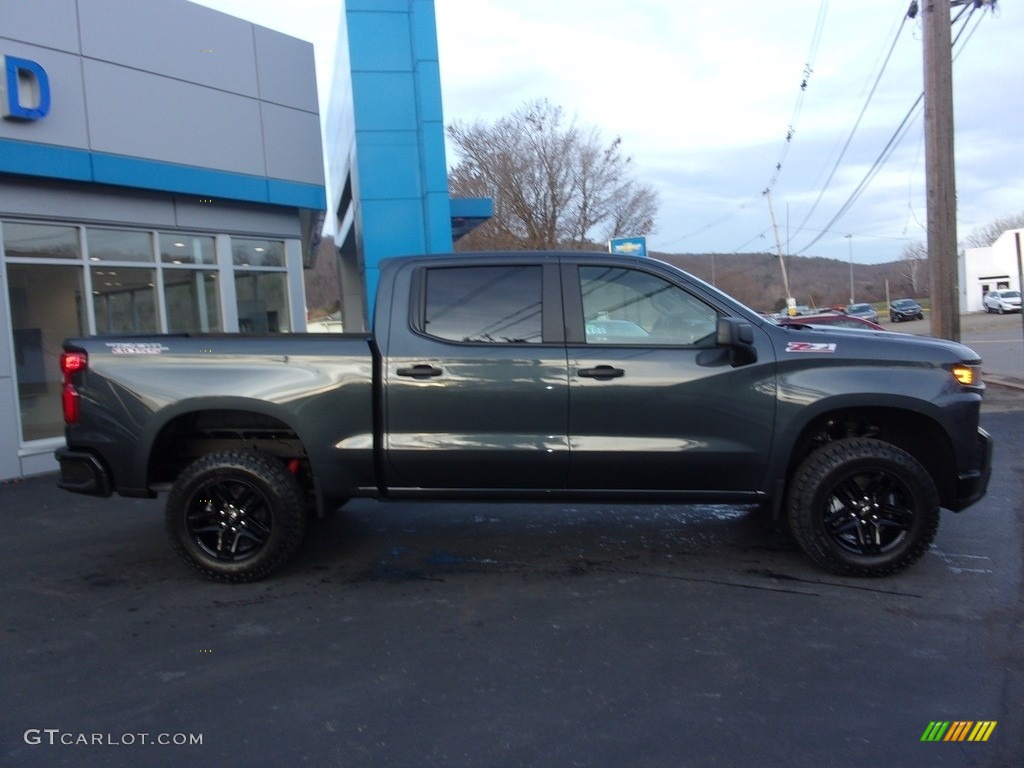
(501, 635)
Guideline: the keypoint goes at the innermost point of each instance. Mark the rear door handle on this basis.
(421, 371)
(601, 372)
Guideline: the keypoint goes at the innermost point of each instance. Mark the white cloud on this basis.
(703, 96)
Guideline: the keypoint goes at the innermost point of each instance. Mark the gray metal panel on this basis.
(43, 22)
(174, 38)
(64, 125)
(80, 202)
(292, 140)
(223, 216)
(287, 72)
(143, 115)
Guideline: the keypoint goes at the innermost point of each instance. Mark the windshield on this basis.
(1011, 294)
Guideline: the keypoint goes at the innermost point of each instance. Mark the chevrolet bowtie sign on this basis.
(630, 246)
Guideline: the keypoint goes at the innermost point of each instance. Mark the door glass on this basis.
(498, 305)
(633, 307)
(46, 308)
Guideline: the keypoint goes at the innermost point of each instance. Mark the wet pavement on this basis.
(510, 635)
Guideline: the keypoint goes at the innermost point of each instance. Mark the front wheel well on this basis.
(915, 433)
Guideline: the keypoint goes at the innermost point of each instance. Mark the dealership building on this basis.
(161, 171)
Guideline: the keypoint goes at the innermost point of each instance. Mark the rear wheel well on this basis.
(915, 433)
(192, 435)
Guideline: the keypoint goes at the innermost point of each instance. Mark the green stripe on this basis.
(935, 731)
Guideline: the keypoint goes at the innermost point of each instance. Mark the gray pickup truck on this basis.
(542, 376)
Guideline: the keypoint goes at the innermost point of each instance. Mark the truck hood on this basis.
(887, 344)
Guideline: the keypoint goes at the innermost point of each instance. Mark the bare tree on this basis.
(986, 234)
(914, 264)
(553, 185)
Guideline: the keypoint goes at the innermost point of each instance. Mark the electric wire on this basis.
(888, 149)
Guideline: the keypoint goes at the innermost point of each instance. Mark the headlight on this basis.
(968, 375)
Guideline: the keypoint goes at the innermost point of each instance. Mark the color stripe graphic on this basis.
(958, 730)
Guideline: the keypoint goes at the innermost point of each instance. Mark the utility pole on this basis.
(849, 239)
(790, 303)
(939, 168)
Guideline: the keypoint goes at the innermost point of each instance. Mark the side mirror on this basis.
(738, 337)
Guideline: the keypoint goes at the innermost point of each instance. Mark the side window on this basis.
(496, 305)
(629, 306)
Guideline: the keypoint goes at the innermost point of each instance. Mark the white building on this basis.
(989, 269)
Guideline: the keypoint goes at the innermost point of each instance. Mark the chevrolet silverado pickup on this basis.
(532, 376)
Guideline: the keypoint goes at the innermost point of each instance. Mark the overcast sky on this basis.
(704, 96)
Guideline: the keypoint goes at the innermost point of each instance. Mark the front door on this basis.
(654, 403)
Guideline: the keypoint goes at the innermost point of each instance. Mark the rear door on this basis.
(475, 379)
(654, 404)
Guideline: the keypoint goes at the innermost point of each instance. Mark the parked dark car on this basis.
(865, 311)
(843, 321)
(905, 309)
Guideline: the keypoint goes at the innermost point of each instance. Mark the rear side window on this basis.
(488, 304)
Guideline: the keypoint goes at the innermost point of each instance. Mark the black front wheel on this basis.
(236, 516)
(861, 507)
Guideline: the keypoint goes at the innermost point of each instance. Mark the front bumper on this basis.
(83, 472)
(973, 484)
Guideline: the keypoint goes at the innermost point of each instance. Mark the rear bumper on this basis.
(973, 484)
(82, 472)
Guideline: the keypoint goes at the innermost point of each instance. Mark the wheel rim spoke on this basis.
(866, 513)
(229, 519)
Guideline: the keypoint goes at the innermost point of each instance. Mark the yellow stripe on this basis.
(983, 730)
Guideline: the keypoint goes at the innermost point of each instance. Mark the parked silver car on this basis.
(1002, 301)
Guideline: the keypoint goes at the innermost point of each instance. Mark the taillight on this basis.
(70, 364)
(73, 362)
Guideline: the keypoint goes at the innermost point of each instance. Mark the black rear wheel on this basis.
(236, 516)
(862, 507)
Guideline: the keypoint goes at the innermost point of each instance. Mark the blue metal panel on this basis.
(79, 165)
(42, 160)
(384, 101)
(389, 168)
(380, 41)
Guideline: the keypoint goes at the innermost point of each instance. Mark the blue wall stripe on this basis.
(53, 162)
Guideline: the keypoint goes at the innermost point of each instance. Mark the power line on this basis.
(887, 150)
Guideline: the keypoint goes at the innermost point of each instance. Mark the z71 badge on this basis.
(810, 346)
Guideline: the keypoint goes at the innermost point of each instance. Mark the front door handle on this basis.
(421, 371)
(601, 372)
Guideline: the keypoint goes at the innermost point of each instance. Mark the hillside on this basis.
(756, 279)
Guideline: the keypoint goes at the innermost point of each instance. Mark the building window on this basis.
(40, 241)
(179, 248)
(192, 298)
(124, 300)
(261, 285)
(191, 295)
(118, 245)
(65, 281)
(257, 253)
(46, 307)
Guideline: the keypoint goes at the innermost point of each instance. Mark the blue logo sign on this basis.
(25, 79)
(631, 246)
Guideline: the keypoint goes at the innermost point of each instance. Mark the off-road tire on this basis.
(862, 507)
(236, 516)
